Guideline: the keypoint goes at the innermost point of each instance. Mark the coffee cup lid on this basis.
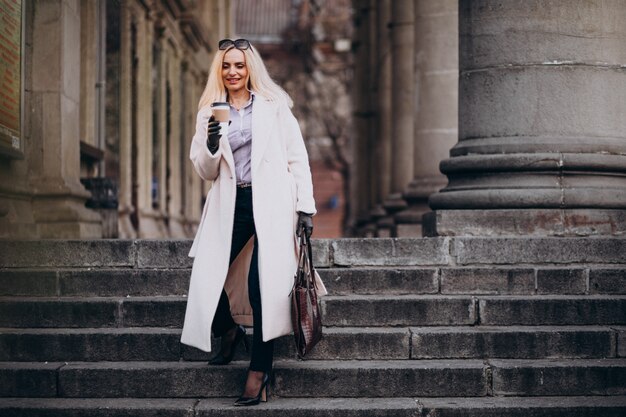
(219, 104)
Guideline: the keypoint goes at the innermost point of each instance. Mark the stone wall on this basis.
(94, 109)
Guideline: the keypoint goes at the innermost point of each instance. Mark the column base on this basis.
(392, 205)
(371, 229)
(66, 217)
(409, 222)
(176, 228)
(152, 225)
(525, 222)
(126, 230)
(16, 217)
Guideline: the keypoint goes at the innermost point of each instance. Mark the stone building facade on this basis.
(520, 104)
(468, 117)
(110, 96)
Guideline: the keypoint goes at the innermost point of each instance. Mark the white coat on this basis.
(282, 186)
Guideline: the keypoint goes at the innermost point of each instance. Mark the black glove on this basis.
(213, 135)
(305, 221)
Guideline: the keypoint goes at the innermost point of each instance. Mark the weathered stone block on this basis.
(154, 312)
(352, 344)
(90, 345)
(552, 311)
(150, 380)
(561, 281)
(28, 379)
(314, 407)
(123, 282)
(164, 253)
(320, 248)
(398, 311)
(28, 283)
(573, 377)
(487, 281)
(380, 378)
(96, 407)
(607, 281)
(66, 253)
(58, 313)
(346, 281)
(475, 250)
(514, 342)
(405, 252)
(523, 407)
(621, 342)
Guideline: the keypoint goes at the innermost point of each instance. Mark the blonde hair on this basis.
(259, 80)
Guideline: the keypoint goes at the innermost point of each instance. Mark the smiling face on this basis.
(234, 70)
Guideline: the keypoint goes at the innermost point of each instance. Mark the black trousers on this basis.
(243, 229)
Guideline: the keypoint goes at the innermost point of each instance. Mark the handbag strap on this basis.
(306, 251)
(310, 252)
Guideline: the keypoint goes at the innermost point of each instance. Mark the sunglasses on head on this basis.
(241, 44)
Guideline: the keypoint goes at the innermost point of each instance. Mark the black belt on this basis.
(244, 185)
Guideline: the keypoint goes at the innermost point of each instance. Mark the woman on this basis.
(245, 246)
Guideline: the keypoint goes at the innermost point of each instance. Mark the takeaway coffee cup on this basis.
(221, 111)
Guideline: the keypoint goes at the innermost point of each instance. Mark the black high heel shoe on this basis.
(261, 396)
(220, 359)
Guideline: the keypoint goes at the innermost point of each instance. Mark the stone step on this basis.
(164, 282)
(402, 310)
(431, 378)
(120, 282)
(313, 407)
(157, 344)
(515, 342)
(195, 379)
(93, 282)
(469, 250)
(169, 311)
(350, 311)
(552, 310)
(439, 310)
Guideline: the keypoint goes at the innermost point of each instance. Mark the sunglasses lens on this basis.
(225, 44)
(242, 44)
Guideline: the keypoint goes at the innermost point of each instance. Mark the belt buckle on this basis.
(244, 185)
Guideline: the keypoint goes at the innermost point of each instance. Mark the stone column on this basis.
(88, 71)
(151, 224)
(382, 137)
(159, 138)
(174, 180)
(542, 132)
(191, 186)
(436, 112)
(59, 197)
(403, 102)
(375, 209)
(360, 168)
(125, 200)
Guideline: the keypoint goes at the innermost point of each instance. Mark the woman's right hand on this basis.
(213, 135)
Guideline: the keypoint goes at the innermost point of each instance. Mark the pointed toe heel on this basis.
(262, 396)
(221, 359)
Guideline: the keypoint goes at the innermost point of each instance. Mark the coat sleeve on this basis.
(205, 163)
(298, 162)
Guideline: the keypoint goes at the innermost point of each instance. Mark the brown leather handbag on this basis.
(305, 311)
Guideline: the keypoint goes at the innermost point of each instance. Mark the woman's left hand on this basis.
(305, 221)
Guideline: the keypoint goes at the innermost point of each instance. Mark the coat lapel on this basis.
(263, 119)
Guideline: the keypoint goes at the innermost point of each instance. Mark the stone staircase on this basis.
(414, 327)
